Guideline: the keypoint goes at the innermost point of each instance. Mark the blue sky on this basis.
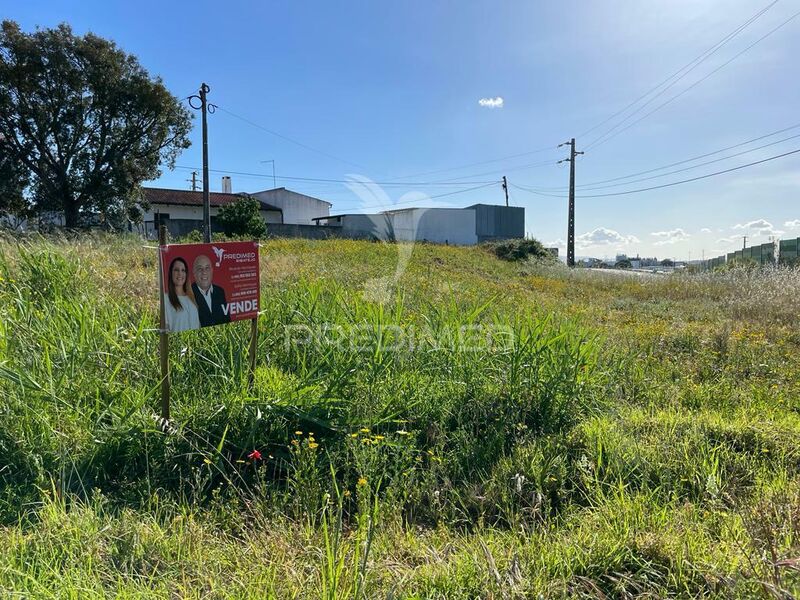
(392, 91)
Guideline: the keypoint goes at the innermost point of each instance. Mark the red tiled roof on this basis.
(188, 198)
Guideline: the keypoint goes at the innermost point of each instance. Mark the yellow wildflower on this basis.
(362, 481)
(313, 445)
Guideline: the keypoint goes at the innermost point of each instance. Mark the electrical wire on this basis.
(507, 170)
(475, 164)
(678, 75)
(665, 185)
(389, 206)
(323, 180)
(702, 164)
(591, 184)
(602, 139)
(288, 139)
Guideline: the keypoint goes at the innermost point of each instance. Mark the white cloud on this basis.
(726, 240)
(604, 237)
(670, 237)
(705, 230)
(792, 224)
(496, 102)
(759, 227)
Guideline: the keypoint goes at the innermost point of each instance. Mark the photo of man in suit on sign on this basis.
(210, 298)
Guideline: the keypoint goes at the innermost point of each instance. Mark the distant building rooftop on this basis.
(189, 198)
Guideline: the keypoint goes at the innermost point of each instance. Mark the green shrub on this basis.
(243, 219)
(521, 249)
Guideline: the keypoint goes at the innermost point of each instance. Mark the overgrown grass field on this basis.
(426, 422)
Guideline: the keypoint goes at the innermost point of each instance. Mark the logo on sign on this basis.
(219, 252)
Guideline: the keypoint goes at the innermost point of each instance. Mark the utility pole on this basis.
(744, 242)
(571, 217)
(194, 181)
(505, 188)
(205, 108)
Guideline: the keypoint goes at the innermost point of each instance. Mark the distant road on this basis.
(628, 272)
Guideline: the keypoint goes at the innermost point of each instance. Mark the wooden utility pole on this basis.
(505, 188)
(163, 338)
(571, 216)
(204, 89)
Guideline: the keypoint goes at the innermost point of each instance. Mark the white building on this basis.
(298, 209)
(458, 226)
(182, 210)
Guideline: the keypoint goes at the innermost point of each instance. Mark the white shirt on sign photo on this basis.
(181, 320)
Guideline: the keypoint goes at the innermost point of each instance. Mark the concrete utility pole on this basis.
(744, 242)
(505, 188)
(571, 217)
(205, 108)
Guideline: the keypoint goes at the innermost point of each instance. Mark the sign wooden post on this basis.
(163, 339)
(253, 348)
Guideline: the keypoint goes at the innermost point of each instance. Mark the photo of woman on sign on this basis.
(180, 308)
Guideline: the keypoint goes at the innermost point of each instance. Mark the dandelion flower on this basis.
(298, 432)
(379, 437)
(364, 430)
(313, 445)
(362, 481)
(354, 435)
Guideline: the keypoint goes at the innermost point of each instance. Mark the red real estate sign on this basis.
(209, 284)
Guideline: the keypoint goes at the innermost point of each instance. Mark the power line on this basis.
(295, 142)
(702, 164)
(665, 185)
(599, 140)
(536, 192)
(546, 163)
(680, 162)
(483, 162)
(388, 207)
(323, 180)
(656, 187)
(678, 75)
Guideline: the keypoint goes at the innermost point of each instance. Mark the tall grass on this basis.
(490, 429)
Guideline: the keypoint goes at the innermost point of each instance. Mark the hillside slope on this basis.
(425, 421)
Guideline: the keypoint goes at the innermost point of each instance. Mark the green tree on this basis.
(14, 178)
(84, 119)
(243, 219)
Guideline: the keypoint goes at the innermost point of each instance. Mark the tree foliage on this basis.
(81, 122)
(243, 219)
(521, 249)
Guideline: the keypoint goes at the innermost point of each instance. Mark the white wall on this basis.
(195, 213)
(298, 209)
(441, 225)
